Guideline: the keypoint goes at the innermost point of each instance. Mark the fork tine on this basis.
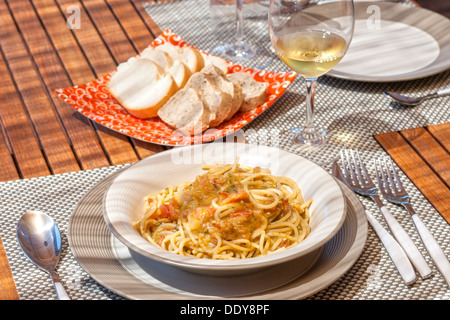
(344, 166)
(363, 168)
(349, 171)
(378, 173)
(389, 171)
(355, 164)
(384, 185)
(399, 184)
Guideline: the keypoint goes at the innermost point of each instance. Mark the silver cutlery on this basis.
(392, 189)
(414, 101)
(358, 177)
(394, 250)
(40, 240)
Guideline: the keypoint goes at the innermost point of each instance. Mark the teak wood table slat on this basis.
(34, 96)
(8, 170)
(41, 135)
(423, 155)
(133, 25)
(442, 134)
(28, 157)
(81, 135)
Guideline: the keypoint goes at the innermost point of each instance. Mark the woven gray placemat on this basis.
(58, 196)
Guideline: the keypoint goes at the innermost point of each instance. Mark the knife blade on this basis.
(393, 248)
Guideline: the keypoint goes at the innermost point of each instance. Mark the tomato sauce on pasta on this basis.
(229, 212)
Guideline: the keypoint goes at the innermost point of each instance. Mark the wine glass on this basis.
(311, 38)
(239, 49)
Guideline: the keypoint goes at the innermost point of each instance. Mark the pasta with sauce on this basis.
(229, 212)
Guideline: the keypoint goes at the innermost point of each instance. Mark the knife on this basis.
(395, 251)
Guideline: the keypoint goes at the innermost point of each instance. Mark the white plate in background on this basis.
(395, 42)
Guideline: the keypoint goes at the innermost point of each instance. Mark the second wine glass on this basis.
(238, 48)
(311, 38)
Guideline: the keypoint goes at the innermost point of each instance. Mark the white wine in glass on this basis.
(311, 39)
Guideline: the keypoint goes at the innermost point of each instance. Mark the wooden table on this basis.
(424, 156)
(40, 134)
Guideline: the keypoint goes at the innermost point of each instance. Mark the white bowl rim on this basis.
(141, 246)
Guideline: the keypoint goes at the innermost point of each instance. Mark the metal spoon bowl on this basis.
(40, 240)
(414, 101)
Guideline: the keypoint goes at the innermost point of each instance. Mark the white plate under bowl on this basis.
(113, 265)
(395, 42)
(124, 200)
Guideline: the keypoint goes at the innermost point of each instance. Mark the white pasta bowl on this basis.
(123, 202)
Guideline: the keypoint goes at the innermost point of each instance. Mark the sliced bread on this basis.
(141, 87)
(185, 111)
(180, 73)
(233, 89)
(216, 101)
(161, 58)
(254, 92)
(191, 57)
(217, 62)
(177, 69)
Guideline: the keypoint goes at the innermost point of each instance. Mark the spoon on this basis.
(40, 240)
(412, 101)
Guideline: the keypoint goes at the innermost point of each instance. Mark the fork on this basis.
(357, 175)
(395, 251)
(392, 189)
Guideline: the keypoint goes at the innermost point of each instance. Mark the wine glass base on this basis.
(244, 54)
(235, 51)
(305, 137)
(322, 150)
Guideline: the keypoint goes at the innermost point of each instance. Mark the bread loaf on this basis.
(141, 87)
(161, 58)
(254, 92)
(178, 70)
(186, 111)
(180, 73)
(189, 56)
(217, 62)
(216, 101)
(188, 90)
(233, 89)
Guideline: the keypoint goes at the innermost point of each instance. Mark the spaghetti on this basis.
(229, 212)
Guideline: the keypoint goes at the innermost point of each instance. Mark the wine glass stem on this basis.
(239, 23)
(310, 86)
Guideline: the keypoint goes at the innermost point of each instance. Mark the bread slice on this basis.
(233, 89)
(180, 73)
(178, 70)
(216, 101)
(188, 53)
(191, 57)
(161, 58)
(170, 49)
(254, 92)
(185, 111)
(217, 62)
(141, 87)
